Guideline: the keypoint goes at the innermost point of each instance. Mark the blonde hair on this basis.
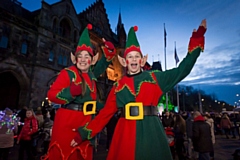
(33, 114)
(196, 114)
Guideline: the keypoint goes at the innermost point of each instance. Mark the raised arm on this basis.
(168, 79)
(109, 52)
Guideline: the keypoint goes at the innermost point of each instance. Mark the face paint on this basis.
(89, 62)
(140, 61)
(127, 62)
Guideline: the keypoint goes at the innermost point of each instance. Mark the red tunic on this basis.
(145, 138)
(65, 119)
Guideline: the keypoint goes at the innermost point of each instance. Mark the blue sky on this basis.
(217, 70)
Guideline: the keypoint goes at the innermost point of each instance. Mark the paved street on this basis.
(224, 148)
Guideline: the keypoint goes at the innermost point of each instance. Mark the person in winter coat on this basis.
(226, 125)
(75, 89)
(189, 122)
(210, 121)
(8, 128)
(201, 137)
(217, 122)
(47, 132)
(139, 133)
(167, 120)
(24, 139)
(179, 134)
(168, 123)
(39, 117)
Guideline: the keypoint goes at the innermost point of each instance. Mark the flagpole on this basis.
(175, 55)
(200, 101)
(165, 45)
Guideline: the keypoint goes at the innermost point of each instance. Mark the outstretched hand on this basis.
(204, 23)
(76, 140)
(197, 39)
(108, 45)
(201, 29)
(73, 143)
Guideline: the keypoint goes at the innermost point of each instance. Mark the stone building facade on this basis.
(35, 46)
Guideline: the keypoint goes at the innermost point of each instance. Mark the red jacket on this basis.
(30, 126)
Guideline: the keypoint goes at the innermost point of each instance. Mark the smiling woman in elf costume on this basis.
(139, 134)
(75, 88)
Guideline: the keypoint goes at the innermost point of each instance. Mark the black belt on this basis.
(134, 111)
(73, 106)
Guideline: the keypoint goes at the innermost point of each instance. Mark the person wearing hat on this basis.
(75, 89)
(139, 133)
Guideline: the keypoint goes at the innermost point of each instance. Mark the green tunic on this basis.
(139, 139)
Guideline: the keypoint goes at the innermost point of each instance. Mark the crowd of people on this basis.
(190, 143)
(29, 129)
(135, 130)
(187, 143)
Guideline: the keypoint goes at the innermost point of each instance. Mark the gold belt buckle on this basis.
(86, 105)
(140, 110)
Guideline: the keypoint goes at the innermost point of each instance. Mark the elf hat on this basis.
(132, 42)
(84, 41)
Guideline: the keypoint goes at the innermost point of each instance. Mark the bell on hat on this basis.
(84, 42)
(132, 42)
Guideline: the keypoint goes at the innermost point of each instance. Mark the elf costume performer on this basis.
(75, 88)
(139, 134)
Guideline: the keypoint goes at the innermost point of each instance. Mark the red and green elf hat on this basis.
(84, 42)
(132, 42)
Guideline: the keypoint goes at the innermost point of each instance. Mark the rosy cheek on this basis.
(89, 62)
(127, 61)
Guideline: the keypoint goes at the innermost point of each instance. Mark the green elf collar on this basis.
(74, 72)
(135, 81)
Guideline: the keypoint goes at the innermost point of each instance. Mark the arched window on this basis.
(65, 28)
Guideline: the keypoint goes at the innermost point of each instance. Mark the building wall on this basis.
(37, 40)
